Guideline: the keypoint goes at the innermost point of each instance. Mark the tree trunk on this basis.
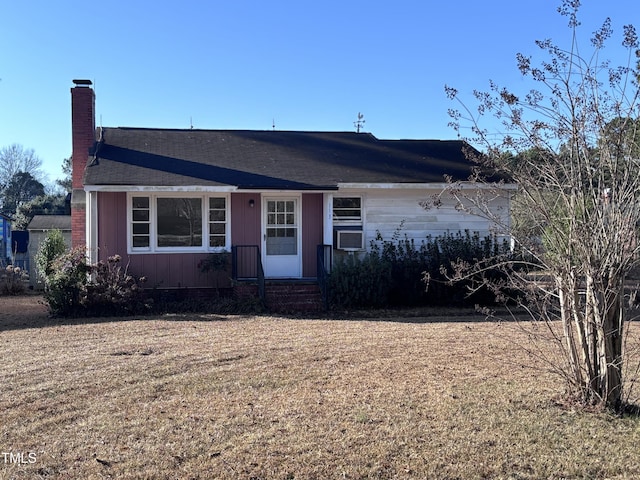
(567, 310)
(613, 323)
(604, 317)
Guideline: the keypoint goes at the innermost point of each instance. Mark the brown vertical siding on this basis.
(112, 224)
(245, 220)
(311, 231)
(181, 269)
(163, 270)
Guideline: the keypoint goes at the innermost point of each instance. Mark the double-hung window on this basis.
(347, 223)
(347, 210)
(170, 223)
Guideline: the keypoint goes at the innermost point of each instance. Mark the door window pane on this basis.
(282, 241)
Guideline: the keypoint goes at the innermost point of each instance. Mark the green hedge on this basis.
(393, 272)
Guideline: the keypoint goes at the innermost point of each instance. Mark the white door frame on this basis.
(282, 266)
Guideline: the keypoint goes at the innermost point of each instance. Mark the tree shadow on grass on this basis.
(31, 311)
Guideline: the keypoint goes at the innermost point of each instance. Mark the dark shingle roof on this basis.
(50, 222)
(268, 159)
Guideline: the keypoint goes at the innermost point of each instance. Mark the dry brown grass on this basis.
(271, 398)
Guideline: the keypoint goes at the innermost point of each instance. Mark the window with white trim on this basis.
(217, 222)
(172, 222)
(179, 222)
(347, 209)
(140, 222)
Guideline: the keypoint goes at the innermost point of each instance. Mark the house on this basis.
(5, 239)
(38, 228)
(283, 202)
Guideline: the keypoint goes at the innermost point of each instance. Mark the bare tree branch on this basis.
(572, 147)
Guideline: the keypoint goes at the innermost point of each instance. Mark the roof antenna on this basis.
(359, 123)
(191, 122)
(273, 124)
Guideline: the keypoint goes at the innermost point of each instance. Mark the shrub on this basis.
(393, 273)
(360, 282)
(75, 288)
(217, 264)
(448, 253)
(66, 282)
(113, 291)
(12, 280)
(51, 247)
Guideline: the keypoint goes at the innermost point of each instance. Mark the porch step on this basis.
(293, 297)
(285, 297)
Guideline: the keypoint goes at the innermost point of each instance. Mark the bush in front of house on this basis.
(357, 282)
(113, 291)
(392, 273)
(65, 282)
(218, 264)
(449, 254)
(74, 287)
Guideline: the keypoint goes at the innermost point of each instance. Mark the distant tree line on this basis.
(23, 192)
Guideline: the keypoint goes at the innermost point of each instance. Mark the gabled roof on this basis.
(50, 222)
(268, 159)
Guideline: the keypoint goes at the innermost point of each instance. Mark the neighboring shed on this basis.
(38, 228)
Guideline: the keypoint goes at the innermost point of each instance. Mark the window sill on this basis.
(164, 251)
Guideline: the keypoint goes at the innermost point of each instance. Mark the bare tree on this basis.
(571, 146)
(13, 159)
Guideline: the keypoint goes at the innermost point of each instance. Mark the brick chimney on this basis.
(83, 127)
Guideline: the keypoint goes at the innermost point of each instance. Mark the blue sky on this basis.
(246, 64)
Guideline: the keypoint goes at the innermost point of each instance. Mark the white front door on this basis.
(281, 244)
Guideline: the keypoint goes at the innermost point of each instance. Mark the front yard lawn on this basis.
(271, 398)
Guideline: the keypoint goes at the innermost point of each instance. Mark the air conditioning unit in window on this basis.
(350, 240)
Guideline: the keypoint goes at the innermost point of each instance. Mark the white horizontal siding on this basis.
(385, 210)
